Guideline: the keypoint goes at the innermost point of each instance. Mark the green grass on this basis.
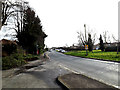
(97, 54)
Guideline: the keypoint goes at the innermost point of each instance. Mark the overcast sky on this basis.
(61, 19)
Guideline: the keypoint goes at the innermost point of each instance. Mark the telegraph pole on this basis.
(118, 43)
(85, 33)
(86, 46)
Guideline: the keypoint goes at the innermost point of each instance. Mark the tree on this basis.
(12, 12)
(27, 26)
(101, 43)
(90, 44)
(0, 14)
(83, 36)
(7, 11)
(13, 22)
(10, 9)
(106, 37)
(32, 34)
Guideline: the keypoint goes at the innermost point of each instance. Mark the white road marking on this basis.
(69, 69)
(100, 80)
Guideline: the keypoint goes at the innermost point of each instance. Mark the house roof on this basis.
(5, 41)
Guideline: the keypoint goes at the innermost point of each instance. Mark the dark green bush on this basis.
(46, 49)
(41, 51)
(110, 49)
(16, 60)
(18, 56)
(30, 57)
(12, 61)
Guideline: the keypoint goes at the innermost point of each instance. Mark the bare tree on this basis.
(7, 11)
(106, 37)
(0, 14)
(16, 18)
(114, 39)
(83, 36)
(12, 9)
(18, 15)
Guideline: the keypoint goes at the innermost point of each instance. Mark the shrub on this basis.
(113, 48)
(30, 57)
(12, 61)
(46, 49)
(16, 60)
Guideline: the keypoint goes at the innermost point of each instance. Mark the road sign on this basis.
(86, 47)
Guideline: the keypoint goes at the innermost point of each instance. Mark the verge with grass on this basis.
(96, 54)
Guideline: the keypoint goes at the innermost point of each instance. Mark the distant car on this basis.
(50, 50)
(60, 50)
(57, 50)
(63, 51)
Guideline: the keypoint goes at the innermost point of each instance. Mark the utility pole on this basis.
(86, 46)
(118, 43)
(85, 33)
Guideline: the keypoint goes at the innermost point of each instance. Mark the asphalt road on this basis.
(104, 71)
(44, 76)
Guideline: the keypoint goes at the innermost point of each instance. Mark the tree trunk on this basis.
(0, 14)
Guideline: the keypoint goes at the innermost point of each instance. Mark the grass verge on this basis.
(96, 54)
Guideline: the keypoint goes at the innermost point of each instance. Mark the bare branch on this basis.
(114, 38)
